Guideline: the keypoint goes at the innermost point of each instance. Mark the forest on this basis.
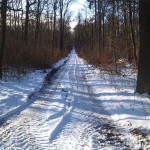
(36, 33)
(74, 74)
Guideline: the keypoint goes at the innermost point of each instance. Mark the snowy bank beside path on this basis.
(16, 95)
(68, 114)
(119, 99)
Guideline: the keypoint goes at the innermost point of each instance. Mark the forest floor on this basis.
(80, 108)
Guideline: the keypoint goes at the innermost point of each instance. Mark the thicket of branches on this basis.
(118, 30)
(34, 33)
(111, 33)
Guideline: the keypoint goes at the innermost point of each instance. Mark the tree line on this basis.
(117, 29)
(34, 33)
(112, 29)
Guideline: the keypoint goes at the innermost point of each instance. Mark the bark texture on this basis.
(143, 80)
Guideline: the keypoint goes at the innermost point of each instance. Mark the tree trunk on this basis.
(54, 27)
(99, 27)
(92, 37)
(26, 21)
(95, 5)
(143, 79)
(28, 5)
(114, 37)
(132, 32)
(61, 27)
(38, 16)
(3, 33)
(103, 26)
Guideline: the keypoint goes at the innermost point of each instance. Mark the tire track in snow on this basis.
(54, 123)
(30, 138)
(66, 117)
(77, 120)
(19, 134)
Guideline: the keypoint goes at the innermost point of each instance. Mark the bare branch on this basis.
(13, 9)
(32, 3)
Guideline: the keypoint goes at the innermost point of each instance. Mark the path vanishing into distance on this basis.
(66, 115)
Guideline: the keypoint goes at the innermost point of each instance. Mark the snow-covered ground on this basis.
(15, 95)
(118, 96)
(80, 108)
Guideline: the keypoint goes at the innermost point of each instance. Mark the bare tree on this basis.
(133, 50)
(3, 32)
(28, 5)
(143, 79)
(55, 7)
(63, 10)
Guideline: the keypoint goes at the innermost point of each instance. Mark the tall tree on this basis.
(61, 30)
(28, 5)
(63, 10)
(143, 80)
(55, 7)
(38, 17)
(99, 26)
(133, 50)
(3, 32)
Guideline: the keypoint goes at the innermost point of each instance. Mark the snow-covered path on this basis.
(67, 115)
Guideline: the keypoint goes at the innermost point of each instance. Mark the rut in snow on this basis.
(66, 115)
